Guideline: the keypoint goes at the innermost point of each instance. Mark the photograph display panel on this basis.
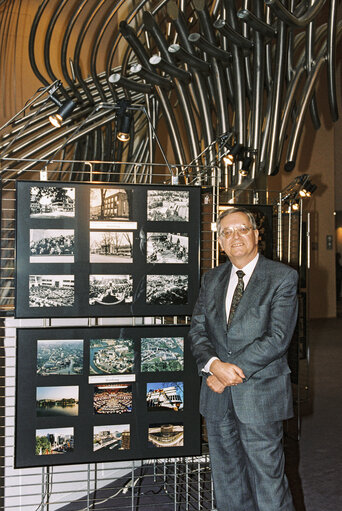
(90, 250)
(105, 394)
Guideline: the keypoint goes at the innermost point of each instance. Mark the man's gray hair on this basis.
(232, 210)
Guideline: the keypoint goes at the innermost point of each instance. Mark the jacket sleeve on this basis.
(274, 344)
(200, 344)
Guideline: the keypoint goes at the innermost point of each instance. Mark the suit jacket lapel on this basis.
(221, 291)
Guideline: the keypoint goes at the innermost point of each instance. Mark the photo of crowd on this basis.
(110, 289)
(112, 399)
(164, 289)
(52, 202)
(168, 205)
(52, 245)
(170, 248)
(51, 290)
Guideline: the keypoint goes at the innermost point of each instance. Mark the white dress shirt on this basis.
(248, 270)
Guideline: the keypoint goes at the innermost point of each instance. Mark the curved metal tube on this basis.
(298, 124)
(287, 17)
(151, 77)
(258, 87)
(32, 38)
(233, 35)
(126, 83)
(64, 48)
(256, 23)
(306, 96)
(276, 95)
(309, 60)
(213, 51)
(332, 29)
(218, 76)
(170, 69)
(179, 76)
(187, 58)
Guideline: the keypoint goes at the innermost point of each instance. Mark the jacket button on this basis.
(229, 353)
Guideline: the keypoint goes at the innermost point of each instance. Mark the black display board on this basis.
(89, 250)
(87, 395)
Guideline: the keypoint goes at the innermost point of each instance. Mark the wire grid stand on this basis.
(169, 484)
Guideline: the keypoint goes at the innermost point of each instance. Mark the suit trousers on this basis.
(247, 462)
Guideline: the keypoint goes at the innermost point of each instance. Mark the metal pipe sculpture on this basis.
(202, 70)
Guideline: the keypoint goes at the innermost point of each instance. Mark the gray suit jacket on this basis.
(257, 341)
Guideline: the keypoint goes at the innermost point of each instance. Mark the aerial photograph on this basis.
(166, 435)
(162, 354)
(111, 356)
(59, 357)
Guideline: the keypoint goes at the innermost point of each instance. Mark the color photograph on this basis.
(59, 357)
(165, 396)
(54, 441)
(112, 398)
(56, 401)
(51, 290)
(166, 435)
(111, 247)
(52, 245)
(162, 354)
(52, 202)
(167, 205)
(167, 248)
(167, 289)
(110, 289)
(111, 438)
(111, 356)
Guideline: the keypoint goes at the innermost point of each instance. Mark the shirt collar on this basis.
(249, 268)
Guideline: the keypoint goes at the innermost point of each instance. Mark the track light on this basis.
(295, 205)
(229, 158)
(124, 120)
(64, 110)
(246, 163)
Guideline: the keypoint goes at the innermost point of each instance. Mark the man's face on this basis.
(240, 248)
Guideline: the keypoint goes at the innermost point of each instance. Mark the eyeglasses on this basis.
(242, 230)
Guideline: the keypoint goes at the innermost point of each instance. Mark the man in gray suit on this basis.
(241, 328)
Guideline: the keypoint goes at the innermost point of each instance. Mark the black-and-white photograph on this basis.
(164, 289)
(110, 289)
(111, 247)
(108, 204)
(167, 247)
(52, 245)
(168, 205)
(52, 202)
(51, 291)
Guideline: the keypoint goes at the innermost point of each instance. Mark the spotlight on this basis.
(310, 189)
(246, 163)
(295, 205)
(124, 121)
(229, 158)
(64, 110)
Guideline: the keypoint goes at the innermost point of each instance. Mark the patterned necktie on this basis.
(237, 295)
